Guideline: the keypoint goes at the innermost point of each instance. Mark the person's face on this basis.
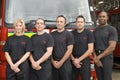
(80, 23)
(102, 18)
(40, 25)
(19, 28)
(60, 23)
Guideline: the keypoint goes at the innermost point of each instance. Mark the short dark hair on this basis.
(39, 19)
(104, 12)
(80, 16)
(63, 17)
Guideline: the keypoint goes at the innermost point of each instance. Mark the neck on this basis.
(60, 30)
(40, 32)
(103, 25)
(80, 30)
(19, 34)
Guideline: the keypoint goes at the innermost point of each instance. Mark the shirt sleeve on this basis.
(50, 42)
(28, 45)
(91, 38)
(70, 38)
(6, 47)
(113, 34)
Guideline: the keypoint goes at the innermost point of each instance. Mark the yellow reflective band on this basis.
(10, 34)
(27, 34)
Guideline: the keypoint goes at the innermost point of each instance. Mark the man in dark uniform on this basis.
(63, 41)
(17, 50)
(42, 50)
(105, 42)
(83, 47)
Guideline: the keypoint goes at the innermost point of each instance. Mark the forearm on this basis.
(108, 50)
(31, 59)
(72, 57)
(27, 54)
(85, 55)
(46, 55)
(67, 54)
(88, 52)
(8, 58)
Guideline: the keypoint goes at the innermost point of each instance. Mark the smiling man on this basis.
(63, 45)
(105, 42)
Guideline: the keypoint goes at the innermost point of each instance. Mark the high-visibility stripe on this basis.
(27, 34)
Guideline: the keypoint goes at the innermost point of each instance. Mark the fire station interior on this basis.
(113, 9)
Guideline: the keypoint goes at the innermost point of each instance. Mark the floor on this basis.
(116, 74)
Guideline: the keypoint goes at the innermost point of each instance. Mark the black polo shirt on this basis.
(81, 42)
(61, 41)
(17, 46)
(40, 44)
(103, 35)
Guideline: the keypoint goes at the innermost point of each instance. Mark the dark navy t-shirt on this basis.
(40, 44)
(81, 42)
(61, 41)
(103, 35)
(17, 46)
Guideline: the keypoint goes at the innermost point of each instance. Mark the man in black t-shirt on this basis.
(105, 42)
(83, 47)
(63, 45)
(42, 50)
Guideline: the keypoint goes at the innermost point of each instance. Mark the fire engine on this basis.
(113, 9)
(30, 10)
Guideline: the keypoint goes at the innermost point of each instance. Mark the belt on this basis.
(99, 51)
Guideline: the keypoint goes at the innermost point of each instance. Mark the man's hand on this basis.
(36, 66)
(76, 62)
(57, 64)
(15, 68)
(98, 62)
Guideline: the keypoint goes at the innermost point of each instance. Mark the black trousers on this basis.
(43, 74)
(64, 73)
(105, 73)
(84, 71)
(22, 75)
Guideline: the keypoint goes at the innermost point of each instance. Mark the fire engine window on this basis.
(47, 9)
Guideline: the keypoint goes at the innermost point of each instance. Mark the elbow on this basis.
(112, 48)
(91, 50)
(49, 52)
(28, 54)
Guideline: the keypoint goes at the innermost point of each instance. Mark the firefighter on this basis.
(17, 50)
(83, 47)
(42, 50)
(105, 42)
(63, 45)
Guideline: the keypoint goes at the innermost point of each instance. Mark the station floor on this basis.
(116, 74)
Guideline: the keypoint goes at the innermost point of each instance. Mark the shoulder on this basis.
(48, 35)
(33, 35)
(68, 32)
(54, 32)
(111, 28)
(87, 31)
(26, 37)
